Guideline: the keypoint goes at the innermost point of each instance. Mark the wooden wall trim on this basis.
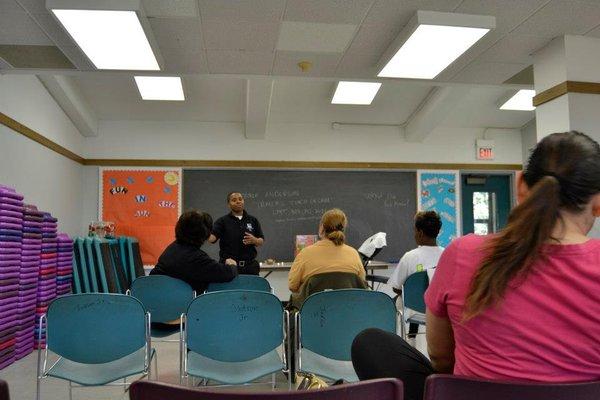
(36, 137)
(297, 164)
(117, 162)
(564, 88)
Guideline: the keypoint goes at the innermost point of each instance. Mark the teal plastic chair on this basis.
(329, 321)
(134, 258)
(242, 282)
(123, 249)
(165, 298)
(97, 283)
(232, 337)
(81, 283)
(99, 338)
(413, 297)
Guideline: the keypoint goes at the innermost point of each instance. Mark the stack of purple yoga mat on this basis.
(46, 290)
(28, 278)
(11, 233)
(64, 272)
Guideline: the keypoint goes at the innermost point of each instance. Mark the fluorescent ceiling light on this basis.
(160, 87)
(430, 42)
(522, 100)
(355, 92)
(110, 39)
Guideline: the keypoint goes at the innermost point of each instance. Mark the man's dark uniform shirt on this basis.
(230, 231)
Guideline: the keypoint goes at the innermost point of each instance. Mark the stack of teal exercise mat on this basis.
(35, 267)
(105, 265)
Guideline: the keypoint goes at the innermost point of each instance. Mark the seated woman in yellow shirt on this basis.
(329, 254)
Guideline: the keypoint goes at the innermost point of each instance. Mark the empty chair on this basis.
(134, 258)
(232, 336)
(452, 387)
(413, 292)
(243, 282)
(165, 298)
(377, 389)
(81, 283)
(329, 321)
(118, 264)
(97, 337)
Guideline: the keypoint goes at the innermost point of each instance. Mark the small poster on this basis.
(440, 191)
(142, 203)
(303, 241)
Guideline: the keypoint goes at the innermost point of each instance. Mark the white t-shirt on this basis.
(423, 258)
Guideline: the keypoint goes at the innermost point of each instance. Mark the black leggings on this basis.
(381, 354)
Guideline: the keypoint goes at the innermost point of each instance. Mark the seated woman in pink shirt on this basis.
(523, 304)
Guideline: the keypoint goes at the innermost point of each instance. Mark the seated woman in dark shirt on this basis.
(183, 259)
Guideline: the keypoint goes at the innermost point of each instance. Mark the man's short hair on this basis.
(193, 227)
(231, 194)
(428, 222)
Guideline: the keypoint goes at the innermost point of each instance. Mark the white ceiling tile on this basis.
(314, 37)
(76, 56)
(10, 6)
(34, 6)
(183, 61)
(255, 10)
(180, 33)
(53, 29)
(396, 13)
(323, 64)
(170, 8)
(508, 13)
(327, 11)
(514, 48)
(373, 39)
(488, 73)
(239, 62)
(358, 65)
(19, 28)
(240, 35)
(561, 17)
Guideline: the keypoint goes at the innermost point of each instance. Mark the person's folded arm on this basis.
(440, 343)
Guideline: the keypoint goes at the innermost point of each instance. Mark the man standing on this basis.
(239, 233)
(423, 258)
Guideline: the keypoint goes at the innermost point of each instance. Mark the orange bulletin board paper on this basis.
(144, 204)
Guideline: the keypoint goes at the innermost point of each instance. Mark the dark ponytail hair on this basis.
(563, 173)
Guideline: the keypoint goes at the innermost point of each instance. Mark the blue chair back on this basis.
(81, 282)
(165, 298)
(234, 325)
(330, 320)
(413, 291)
(95, 328)
(452, 387)
(241, 282)
(97, 285)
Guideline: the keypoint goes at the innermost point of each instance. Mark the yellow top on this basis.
(322, 257)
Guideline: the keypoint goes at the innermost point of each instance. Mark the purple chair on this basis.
(377, 389)
(4, 395)
(452, 387)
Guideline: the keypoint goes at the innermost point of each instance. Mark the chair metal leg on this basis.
(273, 381)
(37, 390)
(156, 365)
(70, 391)
(124, 384)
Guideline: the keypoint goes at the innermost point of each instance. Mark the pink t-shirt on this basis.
(547, 328)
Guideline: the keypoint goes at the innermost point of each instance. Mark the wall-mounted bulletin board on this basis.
(144, 203)
(440, 191)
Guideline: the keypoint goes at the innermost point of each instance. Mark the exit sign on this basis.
(485, 149)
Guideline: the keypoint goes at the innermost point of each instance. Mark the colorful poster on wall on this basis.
(143, 203)
(440, 191)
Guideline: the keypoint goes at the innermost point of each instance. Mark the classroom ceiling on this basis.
(215, 45)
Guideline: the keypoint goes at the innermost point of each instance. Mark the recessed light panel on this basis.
(521, 101)
(160, 88)
(111, 39)
(361, 93)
